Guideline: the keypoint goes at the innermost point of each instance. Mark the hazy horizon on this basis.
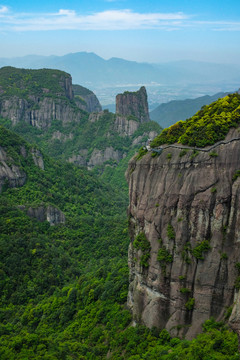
(155, 32)
(122, 58)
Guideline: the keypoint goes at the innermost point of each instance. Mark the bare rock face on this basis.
(10, 174)
(38, 158)
(40, 108)
(79, 159)
(62, 137)
(90, 103)
(99, 157)
(133, 104)
(131, 111)
(95, 116)
(46, 213)
(124, 126)
(140, 139)
(55, 216)
(188, 209)
(42, 114)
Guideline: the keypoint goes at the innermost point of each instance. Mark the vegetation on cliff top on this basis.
(64, 140)
(81, 90)
(206, 127)
(24, 82)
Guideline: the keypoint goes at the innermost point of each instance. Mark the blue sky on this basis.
(155, 31)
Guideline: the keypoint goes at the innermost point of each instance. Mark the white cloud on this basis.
(66, 12)
(106, 20)
(126, 19)
(3, 9)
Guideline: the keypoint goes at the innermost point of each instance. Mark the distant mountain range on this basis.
(91, 70)
(169, 113)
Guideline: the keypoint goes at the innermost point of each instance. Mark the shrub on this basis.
(154, 154)
(194, 154)
(141, 243)
(185, 290)
(202, 247)
(224, 256)
(170, 232)
(164, 257)
(141, 152)
(213, 154)
(182, 277)
(183, 152)
(190, 304)
(236, 175)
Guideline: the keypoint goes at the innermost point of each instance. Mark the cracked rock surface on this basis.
(182, 203)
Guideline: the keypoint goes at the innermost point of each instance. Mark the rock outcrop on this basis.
(131, 111)
(86, 99)
(45, 213)
(38, 112)
(11, 174)
(99, 157)
(37, 97)
(133, 104)
(38, 158)
(124, 126)
(185, 207)
(69, 120)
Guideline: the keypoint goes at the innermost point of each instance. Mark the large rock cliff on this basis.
(69, 121)
(131, 111)
(133, 104)
(184, 219)
(37, 97)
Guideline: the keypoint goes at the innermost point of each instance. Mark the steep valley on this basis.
(65, 288)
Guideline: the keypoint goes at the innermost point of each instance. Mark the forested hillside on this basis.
(64, 232)
(206, 127)
(66, 120)
(169, 113)
(64, 287)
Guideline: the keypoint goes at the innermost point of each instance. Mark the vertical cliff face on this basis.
(184, 218)
(133, 104)
(37, 97)
(10, 173)
(131, 111)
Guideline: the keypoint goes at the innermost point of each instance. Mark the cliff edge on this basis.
(184, 220)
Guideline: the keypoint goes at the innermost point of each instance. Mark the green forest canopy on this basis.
(206, 127)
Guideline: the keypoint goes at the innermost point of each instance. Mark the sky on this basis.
(145, 31)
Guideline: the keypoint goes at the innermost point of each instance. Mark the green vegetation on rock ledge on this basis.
(26, 83)
(200, 249)
(141, 243)
(206, 127)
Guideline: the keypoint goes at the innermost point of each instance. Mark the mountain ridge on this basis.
(167, 114)
(83, 65)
